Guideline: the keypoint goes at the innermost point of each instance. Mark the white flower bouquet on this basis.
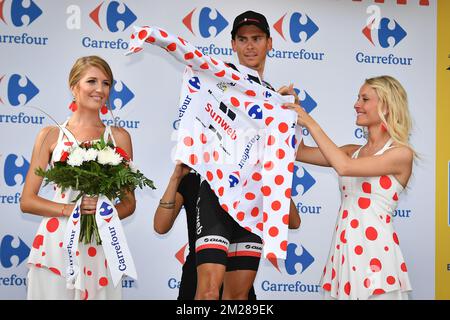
(97, 168)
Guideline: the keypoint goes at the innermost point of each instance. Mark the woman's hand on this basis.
(88, 205)
(285, 91)
(180, 170)
(303, 118)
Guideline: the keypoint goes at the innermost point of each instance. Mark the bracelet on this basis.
(167, 205)
(62, 210)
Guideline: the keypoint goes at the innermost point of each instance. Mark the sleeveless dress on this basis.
(365, 260)
(46, 276)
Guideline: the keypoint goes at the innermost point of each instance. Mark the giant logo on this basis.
(7, 251)
(294, 258)
(306, 181)
(386, 30)
(110, 15)
(11, 169)
(298, 31)
(205, 22)
(121, 97)
(19, 86)
(19, 13)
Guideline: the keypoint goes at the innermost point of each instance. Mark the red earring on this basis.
(104, 109)
(73, 106)
(383, 127)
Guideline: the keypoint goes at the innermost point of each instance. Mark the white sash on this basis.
(114, 242)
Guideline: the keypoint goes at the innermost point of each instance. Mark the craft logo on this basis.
(309, 28)
(201, 22)
(11, 170)
(385, 33)
(19, 12)
(113, 17)
(119, 98)
(298, 28)
(295, 263)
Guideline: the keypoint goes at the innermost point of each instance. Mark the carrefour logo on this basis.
(110, 15)
(20, 89)
(12, 169)
(298, 31)
(21, 12)
(306, 180)
(201, 22)
(298, 28)
(8, 250)
(120, 97)
(388, 33)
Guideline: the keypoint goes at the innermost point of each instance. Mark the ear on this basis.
(269, 44)
(233, 45)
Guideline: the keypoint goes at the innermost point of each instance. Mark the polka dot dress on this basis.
(365, 257)
(47, 253)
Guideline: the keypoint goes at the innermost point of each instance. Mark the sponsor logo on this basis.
(290, 28)
(20, 14)
(306, 181)
(118, 100)
(294, 264)
(19, 91)
(108, 17)
(385, 33)
(382, 33)
(234, 178)
(204, 23)
(11, 169)
(19, 88)
(18, 11)
(7, 251)
(305, 259)
(307, 102)
(120, 97)
(112, 16)
(106, 212)
(295, 27)
(12, 250)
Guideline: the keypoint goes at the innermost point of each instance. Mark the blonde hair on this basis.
(392, 95)
(83, 63)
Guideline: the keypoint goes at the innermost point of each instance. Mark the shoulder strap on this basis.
(65, 132)
(356, 153)
(108, 134)
(387, 146)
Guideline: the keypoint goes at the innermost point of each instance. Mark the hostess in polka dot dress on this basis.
(47, 253)
(365, 257)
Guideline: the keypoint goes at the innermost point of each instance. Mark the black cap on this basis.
(250, 18)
